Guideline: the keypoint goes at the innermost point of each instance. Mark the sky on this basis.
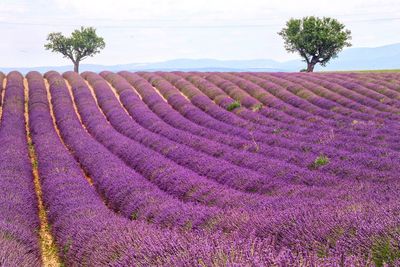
(151, 31)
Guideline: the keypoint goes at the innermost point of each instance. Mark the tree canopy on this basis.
(317, 40)
(81, 44)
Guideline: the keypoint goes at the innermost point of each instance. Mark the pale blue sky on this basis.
(148, 30)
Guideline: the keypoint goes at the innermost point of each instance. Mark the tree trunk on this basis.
(76, 67)
(310, 67)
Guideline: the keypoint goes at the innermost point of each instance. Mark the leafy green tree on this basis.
(316, 40)
(81, 44)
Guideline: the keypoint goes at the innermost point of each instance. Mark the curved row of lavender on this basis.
(124, 190)
(96, 124)
(88, 233)
(91, 116)
(19, 220)
(303, 154)
(276, 147)
(299, 174)
(270, 100)
(372, 168)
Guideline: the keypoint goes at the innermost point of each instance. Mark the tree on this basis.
(316, 40)
(83, 43)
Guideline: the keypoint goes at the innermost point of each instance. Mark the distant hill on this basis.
(383, 57)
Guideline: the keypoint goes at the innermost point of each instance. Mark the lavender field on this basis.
(200, 169)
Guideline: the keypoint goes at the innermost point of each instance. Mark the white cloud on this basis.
(140, 31)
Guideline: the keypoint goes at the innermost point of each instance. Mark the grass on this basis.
(233, 105)
(320, 161)
(384, 252)
(134, 215)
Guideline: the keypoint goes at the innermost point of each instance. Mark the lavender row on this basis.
(379, 129)
(257, 91)
(321, 127)
(293, 234)
(211, 167)
(315, 86)
(291, 114)
(243, 157)
(267, 85)
(259, 222)
(221, 120)
(191, 112)
(211, 90)
(149, 120)
(171, 116)
(209, 118)
(286, 123)
(258, 225)
(340, 222)
(156, 103)
(194, 92)
(292, 99)
(330, 100)
(283, 153)
(80, 99)
(276, 98)
(339, 87)
(91, 234)
(124, 90)
(384, 84)
(284, 142)
(320, 97)
(377, 88)
(274, 173)
(263, 80)
(305, 149)
(124, 190)
(166, 174)
(144, 115)
(329, 218)
(286, 131)
(19, 219)
(368, 90)
(325, 215)
(387, 122)
(266, 116)
(364, 84)
(356, 132)
(213, 83)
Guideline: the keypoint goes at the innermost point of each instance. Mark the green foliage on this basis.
(233, 105)
(81, 44)
(134, 215)
(322, 251)
(321, 160)
(67, 246)
(384, 252)
(317, 40)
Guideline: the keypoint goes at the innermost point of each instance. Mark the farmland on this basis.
(200, 169)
